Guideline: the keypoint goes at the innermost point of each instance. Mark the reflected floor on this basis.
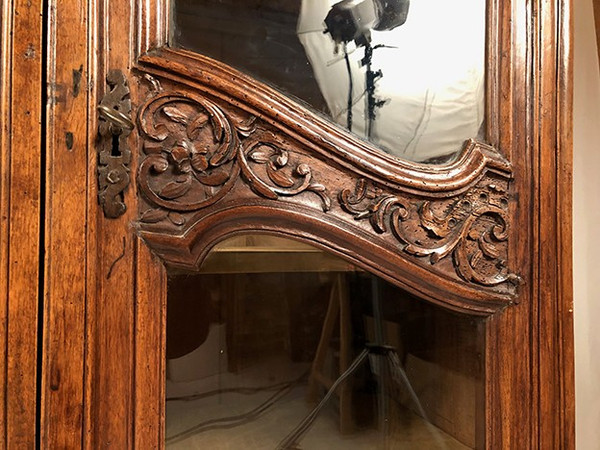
(220, 418)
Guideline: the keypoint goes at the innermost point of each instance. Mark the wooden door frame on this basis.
(104, 311)
(21, 208)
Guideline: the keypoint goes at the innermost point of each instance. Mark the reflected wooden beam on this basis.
(597, 22)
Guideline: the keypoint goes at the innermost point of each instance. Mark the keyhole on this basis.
(115, 146)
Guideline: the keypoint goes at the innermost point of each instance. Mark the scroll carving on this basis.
(195, 153)
(266, 152)
(472, 227)
(212, 166)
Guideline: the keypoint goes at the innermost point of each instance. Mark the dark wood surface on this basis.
(102, 372)
(424, 218)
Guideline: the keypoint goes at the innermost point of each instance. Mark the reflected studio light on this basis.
(353, 20)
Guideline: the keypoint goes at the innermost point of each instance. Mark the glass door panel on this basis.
(407, 76)
(276, 344)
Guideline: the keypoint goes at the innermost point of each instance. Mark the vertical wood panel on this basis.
(66, 199)
(111, 270)
(556, 381)
(152, 19)
(20, 195)
(5, 126)
(565, 317)
(545, 102)
(120, 335)
(150, 339)
(510, 409)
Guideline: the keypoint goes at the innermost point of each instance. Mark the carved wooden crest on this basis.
(216, 162)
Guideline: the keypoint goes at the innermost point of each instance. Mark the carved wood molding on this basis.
(472, 227)
(206, 155)
(217, 80)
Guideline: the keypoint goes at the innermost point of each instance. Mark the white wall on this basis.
(586, 227)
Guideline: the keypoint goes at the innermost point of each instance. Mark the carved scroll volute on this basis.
(192, 145)
(472, 227)
(202, 156)
(195, 154)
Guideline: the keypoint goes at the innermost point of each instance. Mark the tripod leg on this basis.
(346, 422)
(316, 372)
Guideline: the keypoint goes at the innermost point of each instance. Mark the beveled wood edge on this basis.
(509, 408)
(596, 6)
(190, 249)
(21, 203)
(6, 35)
(329, 140)
(565, 318)
(152, 19)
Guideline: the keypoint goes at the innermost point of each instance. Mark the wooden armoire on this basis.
(126, 155)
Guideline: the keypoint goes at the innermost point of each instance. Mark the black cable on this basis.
(291, 440)
(236, 390)
(350, 89)
(237, 420)
(232, 421)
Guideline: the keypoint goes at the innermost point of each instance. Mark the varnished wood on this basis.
(21, 111)
(464, 201)
(62, 401)
(514, 110)
(111, 257)
(340, 147)
(561, 355)
(508, 423)
(105, 304)
(150, 331)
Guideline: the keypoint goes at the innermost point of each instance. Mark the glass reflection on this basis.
(258, 340)
(408, 77)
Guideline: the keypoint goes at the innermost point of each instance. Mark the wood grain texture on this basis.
(150, 342)
(118, 336)
(558, 264)
(450, 225)
(529, 392)
(110, 355)
(20, 205)
(566, 359)
(65, 226)
(510, 408)
(214, 79)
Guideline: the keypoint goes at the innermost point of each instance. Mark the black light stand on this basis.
(371, 78)
(353, 20)
(380, 356)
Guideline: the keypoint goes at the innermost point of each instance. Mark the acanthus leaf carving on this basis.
(195, 153)
(267, 152)
(472, 227)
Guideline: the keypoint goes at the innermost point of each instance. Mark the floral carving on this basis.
(195, 152)
(472, 227)
(189, 141)
(269, 153)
